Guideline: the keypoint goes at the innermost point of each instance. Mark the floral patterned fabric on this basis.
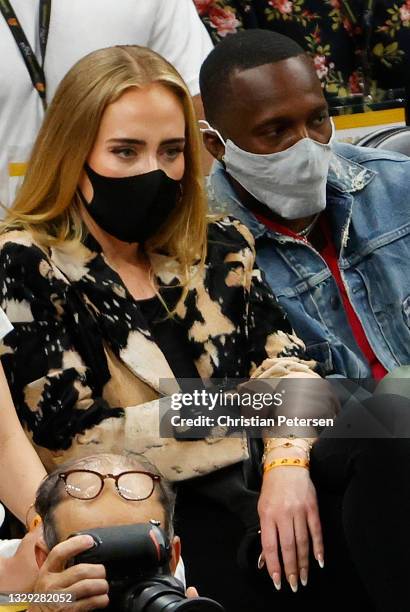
(350, 57)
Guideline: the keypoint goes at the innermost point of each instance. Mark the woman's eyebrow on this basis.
(137, 141)
(173, 141)
(126, 141)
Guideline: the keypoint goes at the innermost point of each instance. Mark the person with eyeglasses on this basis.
(97, 491)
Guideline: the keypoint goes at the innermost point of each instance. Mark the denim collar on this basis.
(345, 176)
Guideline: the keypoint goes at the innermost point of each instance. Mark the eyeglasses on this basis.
(132, 485)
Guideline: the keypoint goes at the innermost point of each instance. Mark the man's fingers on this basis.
(315, 529)
(302, 545)
(191, 592)
(270, 551)
(63, 552)
(288, 549)
(76, 573)
(89, 588)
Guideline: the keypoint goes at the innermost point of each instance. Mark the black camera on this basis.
(136, 559)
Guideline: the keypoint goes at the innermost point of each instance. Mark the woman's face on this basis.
(144, 130)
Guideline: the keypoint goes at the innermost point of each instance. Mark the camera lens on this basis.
(154, 599)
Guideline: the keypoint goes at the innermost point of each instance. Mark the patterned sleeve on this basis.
(273, 348)
(55, 393)
(53, 370)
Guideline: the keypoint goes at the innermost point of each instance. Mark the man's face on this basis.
(272, 107)
(106, 510)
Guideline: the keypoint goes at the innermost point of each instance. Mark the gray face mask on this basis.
(292, 183)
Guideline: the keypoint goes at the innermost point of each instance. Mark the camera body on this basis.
(136, 559)
(127, 551)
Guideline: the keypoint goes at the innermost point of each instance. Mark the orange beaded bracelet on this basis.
(287, 462)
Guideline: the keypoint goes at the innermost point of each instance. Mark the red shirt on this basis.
(328, 252)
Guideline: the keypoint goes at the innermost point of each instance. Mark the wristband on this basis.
(287, 462)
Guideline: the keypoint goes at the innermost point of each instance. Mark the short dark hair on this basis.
(50, 492)
(241, 51)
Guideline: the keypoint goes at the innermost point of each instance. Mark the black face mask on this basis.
(132, 208)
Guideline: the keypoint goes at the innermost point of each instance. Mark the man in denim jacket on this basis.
(331, 221)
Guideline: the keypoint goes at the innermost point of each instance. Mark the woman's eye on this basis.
(173, 153)
(124, 152)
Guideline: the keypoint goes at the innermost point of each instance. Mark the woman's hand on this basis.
(289, 514)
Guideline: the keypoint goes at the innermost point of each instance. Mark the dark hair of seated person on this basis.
(244, 50)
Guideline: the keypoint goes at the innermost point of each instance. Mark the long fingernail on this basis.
(303, 576)
(320, 560)
(293, 581)
(261, 561)
(276, 580)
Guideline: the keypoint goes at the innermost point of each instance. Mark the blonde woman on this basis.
(117, 284)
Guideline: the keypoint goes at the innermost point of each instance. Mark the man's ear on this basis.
(41, 550)
(176, 554)
(214, 145)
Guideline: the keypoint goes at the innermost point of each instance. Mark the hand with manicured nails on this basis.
(289, 518)
(86, 582)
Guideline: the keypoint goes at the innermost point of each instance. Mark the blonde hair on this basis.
(47, 204)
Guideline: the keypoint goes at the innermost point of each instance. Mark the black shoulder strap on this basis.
(35, 69)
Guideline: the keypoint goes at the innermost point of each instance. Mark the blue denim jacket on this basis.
(368, 204)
